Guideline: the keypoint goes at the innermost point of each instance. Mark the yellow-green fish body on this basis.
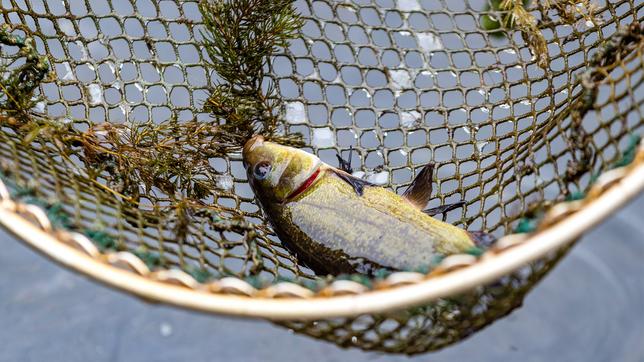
(332, 227)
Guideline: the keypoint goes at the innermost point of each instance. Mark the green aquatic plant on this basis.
(169, 162)
(628, 155)
(492, 22)
(608, 57)
(18, 83)
(517, 17)
(533, 217)
(570, 10)
(501, 16)
(161, 171)
(240, 38)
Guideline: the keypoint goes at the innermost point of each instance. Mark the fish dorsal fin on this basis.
(345, 165)
(358, 184)
(420, 190)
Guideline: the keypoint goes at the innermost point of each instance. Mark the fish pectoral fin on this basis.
(444, 208)
(344, 164)
(358, 184)
(420, 190)
(482, 239)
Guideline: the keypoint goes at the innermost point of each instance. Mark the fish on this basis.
(336, 223)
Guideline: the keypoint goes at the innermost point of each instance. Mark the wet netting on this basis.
(124, 120)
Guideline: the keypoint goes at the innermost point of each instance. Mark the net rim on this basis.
(562, 225)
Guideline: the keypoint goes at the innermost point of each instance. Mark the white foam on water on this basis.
(40, 107)
(380, 178)
(295, 113)
(225, 182)
(428, 74)
(408, 5)
(358, 174)
(429, 42)
(401, 78)
(408, 119)
(323, 137)
(95, 93)
(165, 329)
(83, 49)
(314, 75)
(69, 75)
(125, 108)
(481, 145)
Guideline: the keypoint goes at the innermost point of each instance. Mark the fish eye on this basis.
(262, 170)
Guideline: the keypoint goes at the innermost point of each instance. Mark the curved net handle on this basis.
(563, 224)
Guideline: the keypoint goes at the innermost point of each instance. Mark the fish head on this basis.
(276, 172)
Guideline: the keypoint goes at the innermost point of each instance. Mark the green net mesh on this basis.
(516, 109)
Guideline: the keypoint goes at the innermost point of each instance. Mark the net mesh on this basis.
(510, 127)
